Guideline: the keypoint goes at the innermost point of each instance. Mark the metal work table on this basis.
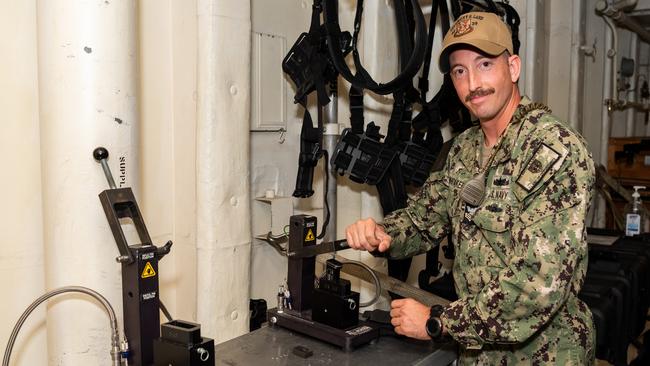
(274, 346)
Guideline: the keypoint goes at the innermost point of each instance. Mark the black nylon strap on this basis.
(444, 15)
(399, 125)
(512, 18)
(318, 63)
(423, 83)
(362, 79)
(472, 5)
(356, 110)
(492, 6)
(358, 16)
(403, 33)
(455, 8)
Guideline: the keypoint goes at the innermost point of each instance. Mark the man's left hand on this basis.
(409, 318)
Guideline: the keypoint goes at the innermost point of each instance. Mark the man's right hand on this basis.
(367, 235)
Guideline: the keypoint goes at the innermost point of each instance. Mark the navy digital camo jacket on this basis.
(521, 255)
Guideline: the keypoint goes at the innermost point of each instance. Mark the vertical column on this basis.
(534, 50)
(21, 256)
(630, 114)
(223, 210)
(576, 80)
(382, 64)
(609, 80)
(87, 76)
(330, 138)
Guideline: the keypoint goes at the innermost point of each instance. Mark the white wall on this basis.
(21, 220)
(168, 51)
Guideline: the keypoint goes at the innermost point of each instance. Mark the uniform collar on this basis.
(525, 107)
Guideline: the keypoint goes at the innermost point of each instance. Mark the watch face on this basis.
(433, 327)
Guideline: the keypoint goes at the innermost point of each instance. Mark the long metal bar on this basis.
(322, 248)
(393, 285)
(330, 139)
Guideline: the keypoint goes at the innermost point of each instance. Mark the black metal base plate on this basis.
(348, 339)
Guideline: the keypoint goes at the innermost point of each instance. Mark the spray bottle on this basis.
(634, 220)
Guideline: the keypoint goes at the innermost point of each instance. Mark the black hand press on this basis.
(329, 311)
(181, 342)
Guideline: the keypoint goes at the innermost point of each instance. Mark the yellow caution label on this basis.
(310, 236)
(148, 271)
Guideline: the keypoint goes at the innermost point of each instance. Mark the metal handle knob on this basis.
(101, 155)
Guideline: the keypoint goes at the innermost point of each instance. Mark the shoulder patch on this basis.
(543, 159)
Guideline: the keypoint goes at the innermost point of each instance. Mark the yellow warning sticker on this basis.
(148, 271)
(310, 236)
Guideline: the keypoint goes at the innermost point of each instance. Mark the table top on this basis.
(274, 345)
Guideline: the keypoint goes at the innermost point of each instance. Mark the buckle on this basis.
(362, 156)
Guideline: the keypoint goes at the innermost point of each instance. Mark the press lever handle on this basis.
(101, 155)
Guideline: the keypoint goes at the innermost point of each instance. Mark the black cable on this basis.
(471, 5)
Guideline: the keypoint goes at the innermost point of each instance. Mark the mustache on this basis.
(479, 93)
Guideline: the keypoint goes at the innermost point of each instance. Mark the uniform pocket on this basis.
(494, 216)
(494, 219)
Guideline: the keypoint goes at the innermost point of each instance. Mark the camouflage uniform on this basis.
(521, 255)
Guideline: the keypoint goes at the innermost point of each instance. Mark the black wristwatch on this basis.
(434, 325)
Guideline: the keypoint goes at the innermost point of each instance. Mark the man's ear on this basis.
(514, 66)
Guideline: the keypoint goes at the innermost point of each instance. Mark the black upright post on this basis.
(139, 275)
(141, 303)
(300, 279)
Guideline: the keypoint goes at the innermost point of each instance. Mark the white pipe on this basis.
(631, 113)
(610, 38)
(330, 138)
(22, 275)
(609, 87)
(87, 76)
(611, 54)
(576, 59)
(223, 174)
(531, 49)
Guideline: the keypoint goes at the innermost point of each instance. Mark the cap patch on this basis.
(465, 25)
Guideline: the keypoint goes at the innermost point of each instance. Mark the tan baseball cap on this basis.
(485, 31)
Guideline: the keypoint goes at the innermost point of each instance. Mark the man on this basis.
(514, 194)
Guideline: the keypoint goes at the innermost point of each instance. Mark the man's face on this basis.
(484, 83)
